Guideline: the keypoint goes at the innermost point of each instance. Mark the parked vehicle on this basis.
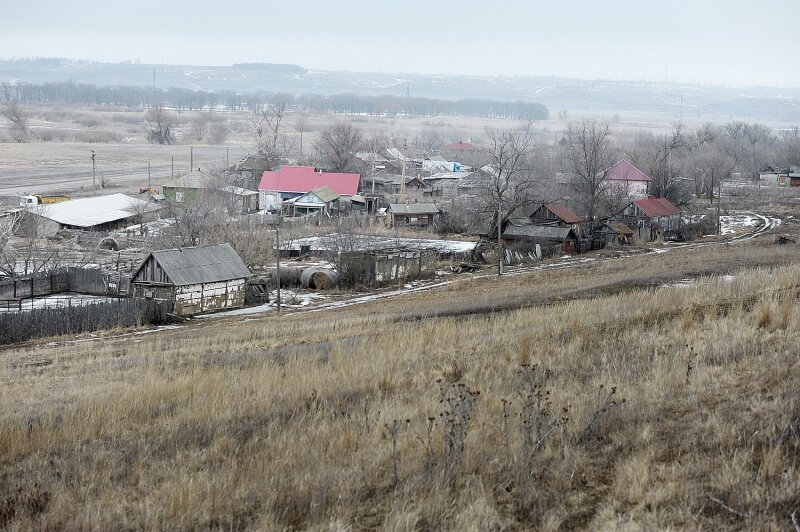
(32, 201)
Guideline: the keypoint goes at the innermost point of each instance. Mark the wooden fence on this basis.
(81, 280)
(39, 323)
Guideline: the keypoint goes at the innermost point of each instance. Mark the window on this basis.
(178, 197)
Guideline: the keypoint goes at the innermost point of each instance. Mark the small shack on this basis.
(613, 234)
(420, 215)
(198, 279)
(552, 240)
(386, 266)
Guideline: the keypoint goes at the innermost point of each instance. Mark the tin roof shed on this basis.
(199, 264)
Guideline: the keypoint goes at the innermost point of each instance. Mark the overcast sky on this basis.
(741, 42)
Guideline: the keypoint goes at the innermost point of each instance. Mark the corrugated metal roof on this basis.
(564, 213)
(414, 208)
(88, 212)
(620, 228)
(239, 191)
(625, 171)
(304, 179)
(326, 194)
(548, 232)
(201, 264)
(655, 207)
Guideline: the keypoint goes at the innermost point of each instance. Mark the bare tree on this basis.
(512, 183)
(217, 130)
(267, 122)
(659, 158)
(429, 141)
(12, 112)
(301, 126)
(200, 126)
(160, 123)
(337, 145)
(588, 155)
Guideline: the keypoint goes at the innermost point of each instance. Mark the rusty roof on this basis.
(563, 213)
(656, 207)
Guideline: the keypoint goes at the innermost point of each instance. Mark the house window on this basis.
(178, 196)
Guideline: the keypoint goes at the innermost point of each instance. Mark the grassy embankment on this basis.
(602, 404)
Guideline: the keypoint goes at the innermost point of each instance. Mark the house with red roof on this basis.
(558, 215)
(624, 177)
(462, 146)
(651, 219)
(294, 181)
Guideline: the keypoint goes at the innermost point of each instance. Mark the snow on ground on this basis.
(63, 300)
(290, 300)
(372, 242)
(738, 223)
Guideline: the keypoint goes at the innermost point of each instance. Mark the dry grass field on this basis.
(57, 158)
(567, 399)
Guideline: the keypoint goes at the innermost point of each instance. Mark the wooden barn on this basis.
(553, 240)
(198, 279)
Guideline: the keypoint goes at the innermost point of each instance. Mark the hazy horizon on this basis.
(711, 44)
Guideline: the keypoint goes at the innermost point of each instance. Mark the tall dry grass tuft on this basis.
(336, 420)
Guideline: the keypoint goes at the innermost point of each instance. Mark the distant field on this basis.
(62, 164)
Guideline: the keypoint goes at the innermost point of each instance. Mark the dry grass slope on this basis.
(645, 408)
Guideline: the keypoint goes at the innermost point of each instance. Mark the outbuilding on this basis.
(198, 279)
(419, 215)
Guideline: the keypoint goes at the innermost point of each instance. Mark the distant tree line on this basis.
(69, 92)
(277, 68)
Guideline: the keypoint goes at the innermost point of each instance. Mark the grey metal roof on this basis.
(537, 231)
(201, 264)
(98, 210)
(414, 208)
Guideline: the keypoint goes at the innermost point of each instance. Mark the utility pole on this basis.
(227, 157)
(94, 173)
(172, 169)
(191, 159)
(149, 187)
(719, 201)
(500, 252)
(278, 262)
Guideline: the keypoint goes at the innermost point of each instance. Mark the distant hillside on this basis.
(780, 105)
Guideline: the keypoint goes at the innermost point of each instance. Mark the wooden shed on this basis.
(198, 279)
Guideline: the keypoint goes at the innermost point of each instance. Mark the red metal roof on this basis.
(655, 207)
(304, 179)
(625, 171)
(461, 145)
(564, 213)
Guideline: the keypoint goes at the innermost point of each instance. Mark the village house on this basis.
(474, 183)
(418, 215)
(391, 183)
(651, 219)
(558, 215)
(99, 213)
(190, 187)
(624, 178)
(198, 279)
(293, 181)
(322, 200)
